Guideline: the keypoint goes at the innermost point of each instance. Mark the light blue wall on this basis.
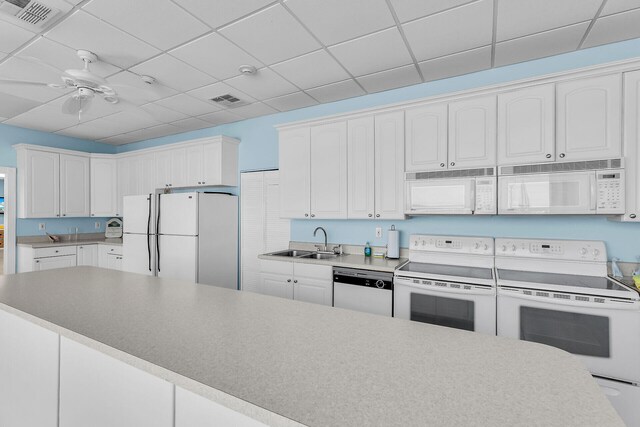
(11, 135)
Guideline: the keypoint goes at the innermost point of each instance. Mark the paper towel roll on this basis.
(393, 243)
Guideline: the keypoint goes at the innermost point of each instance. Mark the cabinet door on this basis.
(276, 278)
(193, 410)
(426, 138)
(195, 163)
(28, 373)
(294, 160)
(124, 182)
(42, 185)
(313, 283)
(361, 168)
(329, 171)
(75, 199)
(114, 262)
(51, 263)
(589, 118)
(389, 165)
(99, 391)
(472, 133)
(178, 167)
(212, 166)
(147, 181)
(163, 168)
(104, 187)
(87, 255)
(526, 125)
(632, 145)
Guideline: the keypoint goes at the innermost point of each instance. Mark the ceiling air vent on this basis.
(229, 101)
(29, 11)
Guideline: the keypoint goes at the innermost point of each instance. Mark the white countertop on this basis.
(49, 244)
(313, 364)
(346, 260)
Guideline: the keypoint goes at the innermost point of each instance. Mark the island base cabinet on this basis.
(99, 391)
(196, 411)
(28, 373)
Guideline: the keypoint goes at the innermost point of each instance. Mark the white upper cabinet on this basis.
(472, 133)
(632, 145)
(361, 168)
(75, 191)
(194, 165)
(328, 154)
(38, 184)
(389, 165)
(589, 118)
(163, 168)
(104, 187)
(426, 138)
(212, 163)
(178, 167)
(295, 164)
(526, 125)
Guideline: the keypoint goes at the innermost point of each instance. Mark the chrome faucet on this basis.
(325, 236)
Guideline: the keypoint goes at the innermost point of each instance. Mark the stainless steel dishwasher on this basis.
(363, 290)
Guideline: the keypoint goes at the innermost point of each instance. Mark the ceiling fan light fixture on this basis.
(111, 99)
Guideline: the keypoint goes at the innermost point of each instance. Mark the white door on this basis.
(138, 253)
(526, 125)
(426, 138)
(472, 133)
(589, 118)
(178, 214)
(42, 192)
(163, 168)
(104, 187)
(87, 255)
(193, 410)
(361, 168)
(212, 164)
(51, 263)
(75, 189)
(389, 165)
(328, 156)
(195, 162)
(178, 258)
(139, 214)
(294, 158)
(178, 167)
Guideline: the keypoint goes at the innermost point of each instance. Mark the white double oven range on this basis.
(552, 292)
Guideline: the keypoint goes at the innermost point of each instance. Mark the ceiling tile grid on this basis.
(304, 52)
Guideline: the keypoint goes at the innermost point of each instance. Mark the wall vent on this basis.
(229, 101)
(459, 173)
(30, 11)
(561, 167)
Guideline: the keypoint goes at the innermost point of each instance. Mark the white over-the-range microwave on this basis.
(587, 187)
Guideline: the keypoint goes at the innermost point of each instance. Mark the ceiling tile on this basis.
(99, 108)
(220, 117)
(271, 35)
(254, 110)
(12, 37)
(540, 45)
(191, 124)
(214, 55)
(456, 30)
(613, 28)
(174, 73)
(206, 93)
(95, 129)
(154, 132)
(220, 12)
(131, 88)
(117, 140)
(337, 91)
(130, 120)
(262, 85)
(616, 6)
(408, 10)
(390, 79)
(18, 69)
(45, 118)
(334, 21)
(375, 52)
(456, 64)
(11, 105)
(187, 104)
(291, 101)
(522, 17)
(311, 70)
(163, 114)
(148, 19)
(84, 31)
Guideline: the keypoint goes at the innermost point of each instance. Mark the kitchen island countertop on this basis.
(311, 364)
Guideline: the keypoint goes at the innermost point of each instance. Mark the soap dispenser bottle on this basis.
(367, 250)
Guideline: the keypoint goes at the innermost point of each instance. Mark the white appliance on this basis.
(448, 281)
(470, 191)
(113, 229)
(525, 190)
(363, 290)
(557, 292)
(196, 237)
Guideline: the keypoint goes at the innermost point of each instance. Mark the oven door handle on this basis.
(571, 303)
(442, 289)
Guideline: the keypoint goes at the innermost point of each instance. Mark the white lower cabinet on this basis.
(39, 259)
(87, 255)
(99, 391)
(193, 410)
(298, 281)
(51, 263)
(110, 256)
(28, 373)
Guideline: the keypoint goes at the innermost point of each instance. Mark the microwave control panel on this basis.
(610, 192)
(486, 196)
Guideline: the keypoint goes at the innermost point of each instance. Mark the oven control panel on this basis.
(569, 250)
(452, 244)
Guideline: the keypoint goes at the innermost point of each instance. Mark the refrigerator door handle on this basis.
(149, 230)
(158, 234)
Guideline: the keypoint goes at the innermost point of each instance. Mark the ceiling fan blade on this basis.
(29, 83)
(76, 105)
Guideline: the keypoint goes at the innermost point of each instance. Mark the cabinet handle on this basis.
(288, 280)
(370, 215)
(453, 163)
(203, 183)
(295, 281)
(441, 165)
(562, 155)
(377, 215)
(306, 215)
(57, 251)
(199, 183)
(548, 156)
(632, 216)
(64, 214)
(313, 215)
(37, 261)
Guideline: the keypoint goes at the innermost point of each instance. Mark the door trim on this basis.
(9, 219)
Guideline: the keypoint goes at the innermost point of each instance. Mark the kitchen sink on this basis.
(291, 253)
(316, 255)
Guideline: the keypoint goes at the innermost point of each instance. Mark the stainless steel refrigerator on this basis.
(191, 236)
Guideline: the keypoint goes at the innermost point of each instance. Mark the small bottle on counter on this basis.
(367, 249)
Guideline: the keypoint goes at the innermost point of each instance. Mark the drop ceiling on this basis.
(306, 52)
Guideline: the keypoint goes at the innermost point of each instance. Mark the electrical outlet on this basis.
(97, 225)
(378, 231)
(41, 226)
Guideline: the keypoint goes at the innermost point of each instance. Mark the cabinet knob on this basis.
(288, 280)
(452, 163)
(562, 155)
(632, 216)
(548, 156)
(313, 215)
(441, 165)
(37, 261)
(295, 281)
(306, 215)
(199, 183)
(370, 215)
(57, 251)
(64, 214)
(377, 215)
(203, 182)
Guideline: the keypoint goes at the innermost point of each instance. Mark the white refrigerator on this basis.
(139, 236)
